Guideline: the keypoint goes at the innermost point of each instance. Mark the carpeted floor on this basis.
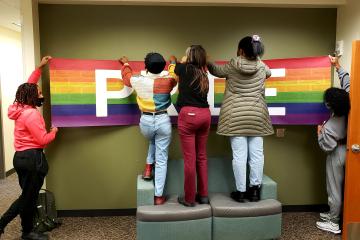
(296, 226)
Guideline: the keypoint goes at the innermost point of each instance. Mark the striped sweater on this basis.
(153, 90)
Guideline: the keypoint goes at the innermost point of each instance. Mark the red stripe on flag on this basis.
(294, 63)
(79, 64)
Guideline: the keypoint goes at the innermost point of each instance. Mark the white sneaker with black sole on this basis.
(329, 226)
(325, 216)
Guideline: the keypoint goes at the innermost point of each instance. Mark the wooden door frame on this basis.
(351, 164)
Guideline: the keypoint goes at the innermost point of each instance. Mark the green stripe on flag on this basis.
(286, 97)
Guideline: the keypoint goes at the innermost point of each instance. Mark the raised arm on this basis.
(221, 71)
(171, 68)
(126, 71)
(268, 71)
(342, 73)
(36, 74)
(344, 79)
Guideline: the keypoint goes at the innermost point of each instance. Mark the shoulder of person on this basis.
(335, 123)
(31, 112)
(180, 66)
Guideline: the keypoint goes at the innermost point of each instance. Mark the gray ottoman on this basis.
(245, 221)
(174, 221)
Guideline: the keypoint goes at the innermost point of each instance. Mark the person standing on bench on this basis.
(244, 116)
(153, 98)
(30, 138)
(194, 123)
(332, 140)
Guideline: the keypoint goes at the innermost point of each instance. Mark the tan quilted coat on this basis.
(243, 110)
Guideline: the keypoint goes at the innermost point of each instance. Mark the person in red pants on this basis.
(194, 123)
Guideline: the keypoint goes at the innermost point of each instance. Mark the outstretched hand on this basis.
(123, 60)
(45, 60)
(172, 59)
(54, 129)
(183, 59)
(334, 61)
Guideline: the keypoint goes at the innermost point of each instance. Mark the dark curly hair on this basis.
(338, 101)
(155, 62)
(27, 94)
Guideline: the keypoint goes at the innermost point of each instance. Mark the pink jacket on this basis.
(29, 129)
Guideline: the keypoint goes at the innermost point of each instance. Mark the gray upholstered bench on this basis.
(174, 221)
(245, 221)
(223, 219)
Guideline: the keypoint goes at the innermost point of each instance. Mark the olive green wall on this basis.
(96, 167)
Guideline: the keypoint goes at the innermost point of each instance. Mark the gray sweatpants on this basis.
(335, 172)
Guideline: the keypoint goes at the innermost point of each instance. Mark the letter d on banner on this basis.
(102, 95)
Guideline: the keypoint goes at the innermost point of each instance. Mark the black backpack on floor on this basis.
(45, 218)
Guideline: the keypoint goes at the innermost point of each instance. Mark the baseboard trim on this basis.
(132, 211)
(306, 208)
(97, 212)
(10, 172)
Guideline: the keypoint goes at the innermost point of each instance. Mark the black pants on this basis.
(31, 167)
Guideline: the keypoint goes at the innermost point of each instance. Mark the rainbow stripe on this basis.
(73, 92)
(300, 91)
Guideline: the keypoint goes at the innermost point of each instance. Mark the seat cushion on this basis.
(172, 211)
(223, 206)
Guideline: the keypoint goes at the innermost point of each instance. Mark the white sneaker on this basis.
(329, 227)
(325, 216)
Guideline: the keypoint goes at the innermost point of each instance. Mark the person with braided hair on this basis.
(29, 160)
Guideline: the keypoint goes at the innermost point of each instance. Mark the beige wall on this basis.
(348, 29)
(11, 77)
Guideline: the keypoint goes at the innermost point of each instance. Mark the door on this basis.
(352, 172)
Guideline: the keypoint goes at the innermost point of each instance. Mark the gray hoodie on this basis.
(243, 111)
(334, 130)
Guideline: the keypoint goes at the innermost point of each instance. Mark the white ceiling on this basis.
(9, 14)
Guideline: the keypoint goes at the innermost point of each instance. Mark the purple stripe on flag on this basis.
(133, 119)
(90, 109)
(300, 119)
(86, 120)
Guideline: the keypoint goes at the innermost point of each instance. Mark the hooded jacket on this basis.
(29, 132)
(243, 111)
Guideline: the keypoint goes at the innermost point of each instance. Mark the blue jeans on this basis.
(157, 129)
(246, 149)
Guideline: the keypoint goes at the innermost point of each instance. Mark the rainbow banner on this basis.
(91, 93)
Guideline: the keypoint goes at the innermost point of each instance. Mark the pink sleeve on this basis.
(35, 76)
(35, 125)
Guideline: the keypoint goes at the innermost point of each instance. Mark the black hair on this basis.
(154, 63)
(252, 47)
(27, 94)
(338, 101)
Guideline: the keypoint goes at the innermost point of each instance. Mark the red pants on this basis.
(194, 126)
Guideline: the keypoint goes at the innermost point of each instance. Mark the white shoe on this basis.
(329, 227)
(325, 216)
